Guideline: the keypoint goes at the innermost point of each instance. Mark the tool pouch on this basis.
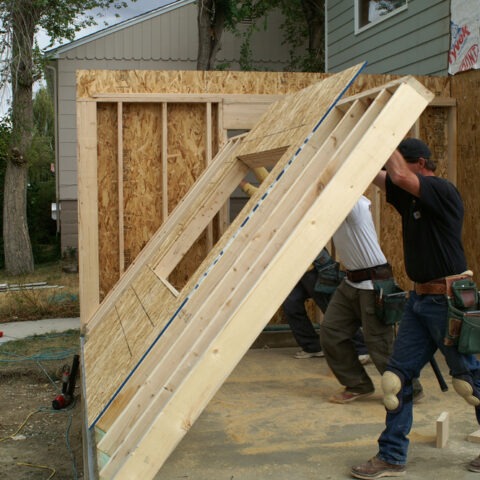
(454, 325)
(469, 341)
(463, 327)
(329, 278)
(390, 301)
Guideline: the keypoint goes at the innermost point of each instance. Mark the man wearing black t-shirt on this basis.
(432, 213)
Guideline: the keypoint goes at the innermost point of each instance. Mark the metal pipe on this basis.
(55, 120)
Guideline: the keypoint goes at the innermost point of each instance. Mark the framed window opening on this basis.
(371, 12)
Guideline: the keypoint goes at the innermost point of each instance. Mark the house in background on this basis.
(163, 39)
(393, 36)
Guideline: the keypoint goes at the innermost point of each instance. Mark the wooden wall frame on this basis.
(149, 349)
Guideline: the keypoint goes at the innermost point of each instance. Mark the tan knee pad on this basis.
(465, 390)
(391, 386)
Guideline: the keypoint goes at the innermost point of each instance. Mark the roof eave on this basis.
(55, 53)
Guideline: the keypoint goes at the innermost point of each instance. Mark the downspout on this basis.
(55, 128)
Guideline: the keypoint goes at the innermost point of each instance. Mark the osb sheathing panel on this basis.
(142, 175)
(186, 153)
(186, 161)
(466, 90)
(142, 179)
(92, 82)
(108, 210)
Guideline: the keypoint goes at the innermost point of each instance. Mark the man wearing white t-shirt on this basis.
(353, 306)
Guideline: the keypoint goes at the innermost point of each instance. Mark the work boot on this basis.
(474, 465)
(347, 396)
(376, 468)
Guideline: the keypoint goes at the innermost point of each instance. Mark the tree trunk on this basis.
(314, 15)
(210, 21)
(17, 246)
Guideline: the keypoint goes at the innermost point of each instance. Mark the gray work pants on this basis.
(349, 309)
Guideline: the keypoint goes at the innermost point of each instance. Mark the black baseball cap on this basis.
(413, 148)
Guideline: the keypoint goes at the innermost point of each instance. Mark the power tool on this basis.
(69, 376)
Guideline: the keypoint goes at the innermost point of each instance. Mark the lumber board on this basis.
(474, 437)
(247, 309)
(121, 226)
(442, 430)
(263, 159)
(88, 210)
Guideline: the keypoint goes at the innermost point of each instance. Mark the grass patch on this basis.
(37, 303)
(51, 351)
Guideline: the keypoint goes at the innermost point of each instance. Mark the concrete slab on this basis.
(272, 419)
(18, 330)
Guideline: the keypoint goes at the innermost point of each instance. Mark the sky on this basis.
(133, 9)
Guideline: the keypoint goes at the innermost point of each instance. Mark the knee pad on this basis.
(392, 384)
(464, 386)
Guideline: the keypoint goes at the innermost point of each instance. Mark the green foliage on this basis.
(295, 29)
(41, 186)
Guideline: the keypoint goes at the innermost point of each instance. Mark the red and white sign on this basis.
(464, 36)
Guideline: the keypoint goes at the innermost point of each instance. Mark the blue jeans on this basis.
(296, 313)
(421, 332)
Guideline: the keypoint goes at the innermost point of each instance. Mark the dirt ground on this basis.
(36, 441)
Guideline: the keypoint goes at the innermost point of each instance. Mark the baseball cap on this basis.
(413, 148)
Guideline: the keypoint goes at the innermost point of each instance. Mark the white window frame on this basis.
(361, 28)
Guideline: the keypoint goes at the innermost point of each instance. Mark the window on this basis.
(368, 12)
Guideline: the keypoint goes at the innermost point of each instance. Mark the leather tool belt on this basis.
(380, 272)
(438, 286)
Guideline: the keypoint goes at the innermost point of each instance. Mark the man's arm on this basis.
(401, 175)
(379, 180)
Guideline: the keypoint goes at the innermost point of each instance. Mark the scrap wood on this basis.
(5, 287)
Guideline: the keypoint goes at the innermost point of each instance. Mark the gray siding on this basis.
(415, 41)
(69, 222)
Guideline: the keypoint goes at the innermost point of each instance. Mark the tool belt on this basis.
(439, 286)
(434, 287)
(380, 272)
(329, 274)
(463, 326)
